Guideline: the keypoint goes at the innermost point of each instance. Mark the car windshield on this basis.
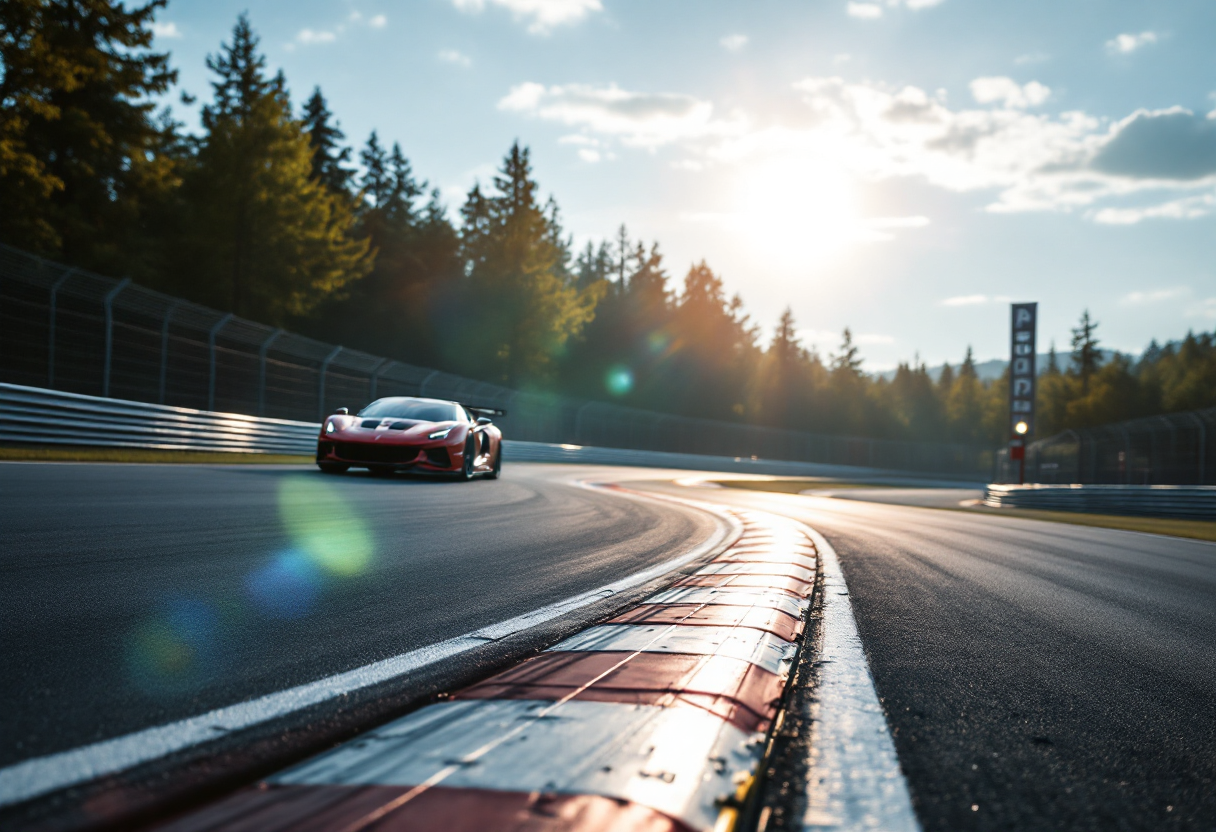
(417, 409)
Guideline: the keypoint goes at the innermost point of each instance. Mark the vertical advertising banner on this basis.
(1022, 370)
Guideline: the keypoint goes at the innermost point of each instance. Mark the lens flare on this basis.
(619, 380)
(177, 648)
(287, 587)
(325, 527)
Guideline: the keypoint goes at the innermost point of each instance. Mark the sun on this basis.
(797, 211)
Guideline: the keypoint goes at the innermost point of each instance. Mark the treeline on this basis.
(267, 212)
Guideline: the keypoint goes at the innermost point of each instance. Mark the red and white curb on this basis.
(657, 720)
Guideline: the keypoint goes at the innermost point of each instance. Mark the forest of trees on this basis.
(267, 212)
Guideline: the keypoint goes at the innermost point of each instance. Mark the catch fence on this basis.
(68, 329)
(1170, 449)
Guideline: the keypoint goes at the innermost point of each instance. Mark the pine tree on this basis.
(965, 402)
(848, 360)
(1086, 357)
(376, 182)
(329, 157)
(518, 303)
(83, 162)
(261, 237)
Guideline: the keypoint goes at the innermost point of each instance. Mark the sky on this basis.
(905, 168)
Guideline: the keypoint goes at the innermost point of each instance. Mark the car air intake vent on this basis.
(438, 456)
(399, 425)
(370, 423)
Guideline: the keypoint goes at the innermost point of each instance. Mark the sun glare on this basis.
(798, 212)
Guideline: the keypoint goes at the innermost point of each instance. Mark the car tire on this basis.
(497, 469)
(470, 460)
(333, 467)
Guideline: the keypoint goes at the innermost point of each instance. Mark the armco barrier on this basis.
(1181, 501)
(657, 719)
(33, 415)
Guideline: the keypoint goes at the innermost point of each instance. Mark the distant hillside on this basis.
(994, 367)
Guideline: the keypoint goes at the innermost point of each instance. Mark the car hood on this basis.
(388, 430)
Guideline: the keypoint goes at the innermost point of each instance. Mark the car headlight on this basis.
(439, 434)
(329, 426)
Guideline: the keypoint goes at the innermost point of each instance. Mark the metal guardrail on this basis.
(1180, 501)
(35, 415)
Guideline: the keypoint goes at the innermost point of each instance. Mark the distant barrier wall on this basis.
(71, 330)
(1171, 449)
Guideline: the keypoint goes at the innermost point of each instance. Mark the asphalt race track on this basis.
(1035, 675)
(135, 595)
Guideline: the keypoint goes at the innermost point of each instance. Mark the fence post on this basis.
(50, 350)
(164, 348)
(422, 386)
(215, 330)
(108, 303)
(1203, 437)
(381, 365)
(262, 350)
(321, 384)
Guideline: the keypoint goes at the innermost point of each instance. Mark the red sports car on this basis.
(403, 433)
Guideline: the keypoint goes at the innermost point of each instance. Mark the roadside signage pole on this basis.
(1022, 382)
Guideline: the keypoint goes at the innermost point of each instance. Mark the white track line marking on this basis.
(855, 782)
(40, 775)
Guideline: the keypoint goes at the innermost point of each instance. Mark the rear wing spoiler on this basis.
(485, 411)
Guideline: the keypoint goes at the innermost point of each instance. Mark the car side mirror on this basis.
(482, 420)
(342, 411)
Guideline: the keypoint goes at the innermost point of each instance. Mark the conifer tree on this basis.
(83, 162)
(519, 303)
(262, 238)
(1085, 355)
(329, 157)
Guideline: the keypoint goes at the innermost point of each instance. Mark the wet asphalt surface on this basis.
(1036, 676)
(135, 595)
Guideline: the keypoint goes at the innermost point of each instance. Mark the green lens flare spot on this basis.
(619, 380)
(323, 525)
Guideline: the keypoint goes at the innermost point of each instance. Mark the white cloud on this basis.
(378, 22)
(873, 338)
(310, 37)
(1154, 296)
(864, 11)
(451, 56)
(733, 43)
(1031, 58)
(588, 154)
(1151, 164)
(638, 119)
(1206, 308)
(974, 300)
(1126, 44)
(1011, 93)
(874, 10)
(1187, 208)
(541, 15)
(166, 29)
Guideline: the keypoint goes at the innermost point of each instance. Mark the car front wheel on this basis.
(470, 460)
(497, 463)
